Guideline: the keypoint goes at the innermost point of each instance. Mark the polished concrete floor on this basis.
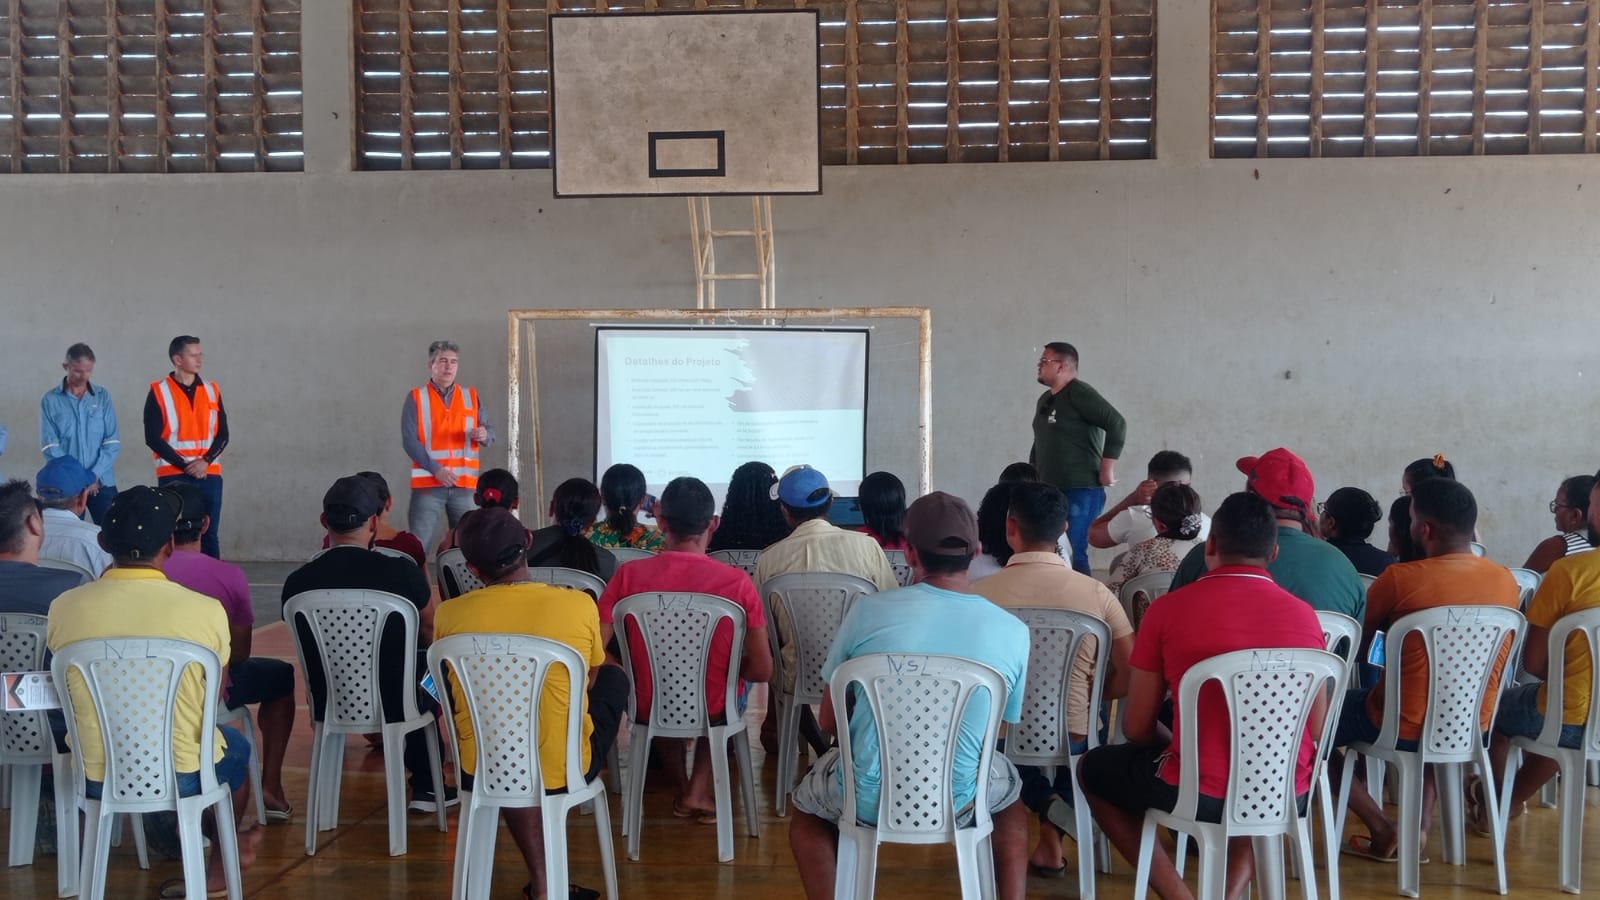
(679, 856)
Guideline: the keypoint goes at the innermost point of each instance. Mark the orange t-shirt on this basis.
(1454, 579)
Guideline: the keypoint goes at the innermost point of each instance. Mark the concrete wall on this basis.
(1362, 312)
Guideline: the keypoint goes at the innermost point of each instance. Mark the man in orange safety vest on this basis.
(442, 426)
(186, 428)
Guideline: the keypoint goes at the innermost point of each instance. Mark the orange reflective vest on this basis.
(188, 426)
(444, 432)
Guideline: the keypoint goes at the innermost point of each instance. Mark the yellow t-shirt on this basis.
(542, 610)
(141, 603)
(1572, 585)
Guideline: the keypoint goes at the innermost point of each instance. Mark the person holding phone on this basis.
(443, 427)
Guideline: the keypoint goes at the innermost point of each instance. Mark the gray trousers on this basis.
(426, 505)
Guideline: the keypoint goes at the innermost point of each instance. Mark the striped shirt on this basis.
(1577, 542)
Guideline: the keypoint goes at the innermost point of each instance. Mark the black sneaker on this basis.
(427, 802)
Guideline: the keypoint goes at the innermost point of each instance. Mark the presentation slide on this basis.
(703, 401)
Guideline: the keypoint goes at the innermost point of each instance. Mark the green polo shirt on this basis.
(1072, 430)
(1313, 570)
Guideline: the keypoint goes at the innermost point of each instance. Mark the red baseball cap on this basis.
(1280, 478)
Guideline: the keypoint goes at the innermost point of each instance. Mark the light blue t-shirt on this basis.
(926, 619)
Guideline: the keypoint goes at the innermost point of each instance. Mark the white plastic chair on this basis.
(500, 680)
(1366, 580)
(739, 559)
(1527, 583)
(26, 747)
(455, 578)
(1573, 762)
(629, 554)
(397, 554)
(811, 605)
(345, 627)
(1478, 549)
(591, 584)
(1042, 739)
(1341, 636)
(1462, 644)
(66, 566)
(133, 685)
(677, 629)
(921, 698)
(246, 724)
(902, 569)
(1264, 689)
(1151, 584)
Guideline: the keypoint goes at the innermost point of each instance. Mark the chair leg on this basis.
(608, 850)
(313, 782)
(787, 708)
(1572, 800)
(844, 868)
(96, 852)
(194, 853)
(1451, 820)
(1307, 856)
(1409, 875)
(67, 852)
(254, 737)
(25, 781)
(436, 768)
(394, 782)
(555, 847)
(480, 864)
(722, 789)
(1342, 806)
(1086, 841)
(747, 784)
(1330, 837)
(141, 847)
(1147, 845)
(1269, 866)
(459, 869)
(633, 802)
(228, 845)
(969, 865)
(1497, 824)
(1213, 853)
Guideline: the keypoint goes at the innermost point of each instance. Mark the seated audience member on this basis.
(1035, 576)
(1305, 566)
(688, 515)
(1122, 781)
(566, 543)
(1179, 527)
(1347, 520)
(63, 486)
(883, 507)
(134, 598)
(26, 586)
(994, 552)
(622, 487)
(1421, 470)
(1574, 533)
(1130, 521)
(496, 488)
(1401, 546)
(1572, 585)
(937, 614)
(1443, 515)
(494, 543)
(751, 516)
(350, 512)
(1018, 471)
(388, 535)
(251, 679)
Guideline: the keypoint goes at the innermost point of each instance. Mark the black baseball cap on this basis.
(139, 522)
(351, 501)
(189, 503)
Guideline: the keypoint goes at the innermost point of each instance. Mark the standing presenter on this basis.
(186, 428)
(1077, 438)
(443, 426)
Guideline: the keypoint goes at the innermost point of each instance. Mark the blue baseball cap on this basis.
(61, 478)
(802, 487)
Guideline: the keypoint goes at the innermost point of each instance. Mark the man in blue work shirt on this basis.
(77, 419)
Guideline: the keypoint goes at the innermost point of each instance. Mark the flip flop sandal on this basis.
(1048, 871)
(1361, 845)
(279, 815)
(174, 889)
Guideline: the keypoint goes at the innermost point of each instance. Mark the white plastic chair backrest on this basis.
(500, 680)
(24, 736)
(629, 554)
(455, 578)
(677, 628)
(1528, 583)
(1151, 584)
(813, 604)
(133, 684)
(1341, 635)
(1462, 643)
(65, 566)
(562, 576)
(1585, 625)
(397, 554)
(1270, 695)
(1056, 638)
(1366, 580)
(1478, 549)
(917, 702)
(902, 568)
(346, 626)
(739, 559)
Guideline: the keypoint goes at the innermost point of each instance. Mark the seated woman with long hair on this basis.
(1571, 511)
(566, 543)
(751, 516)
(622, 488)
(496, 487)
(883, 508)
(1347, 521)
(995, 552)
(1175, 511)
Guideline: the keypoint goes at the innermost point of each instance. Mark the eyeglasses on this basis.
(1322, 507)
(1049, 362)
(1555, 505)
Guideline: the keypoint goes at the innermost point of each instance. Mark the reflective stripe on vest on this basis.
(450, 447)
(172, 430)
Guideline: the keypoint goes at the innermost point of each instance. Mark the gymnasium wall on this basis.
(1362, 312)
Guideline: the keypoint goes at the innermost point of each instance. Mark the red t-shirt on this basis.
(673, 570)
(1230, 608)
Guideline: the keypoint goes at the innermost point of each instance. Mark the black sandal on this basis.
(574, 892)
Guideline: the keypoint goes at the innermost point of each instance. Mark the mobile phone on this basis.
(1376, 653)
(432, 688)
(649, 505)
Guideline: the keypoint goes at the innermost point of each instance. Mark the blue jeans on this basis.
(100, 501)
(427, 503)
(211, 486)
(1520, 716)
(231, 768)
(1084, 505)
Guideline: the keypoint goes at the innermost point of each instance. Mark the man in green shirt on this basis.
(1077, 438)
(1311, 569)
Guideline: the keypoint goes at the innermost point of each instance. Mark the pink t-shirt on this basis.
(224, 581)
(1229, 608)
(672, 570)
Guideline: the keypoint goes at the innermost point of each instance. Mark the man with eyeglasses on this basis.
(1077, 439)
(443, 427)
